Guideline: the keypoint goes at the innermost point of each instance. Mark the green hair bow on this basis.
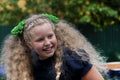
(19, 28)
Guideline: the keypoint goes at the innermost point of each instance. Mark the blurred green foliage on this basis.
(2, 77)
(98, 13)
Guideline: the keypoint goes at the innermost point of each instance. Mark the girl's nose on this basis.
(47, 42)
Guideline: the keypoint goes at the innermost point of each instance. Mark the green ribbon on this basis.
(19, 28)
(52, 18)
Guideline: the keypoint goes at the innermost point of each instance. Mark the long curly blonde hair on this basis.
(17, 58)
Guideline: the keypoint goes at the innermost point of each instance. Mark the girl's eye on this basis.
(40, 40)
(50, 36)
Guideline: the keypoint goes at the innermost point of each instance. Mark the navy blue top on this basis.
(73, 68)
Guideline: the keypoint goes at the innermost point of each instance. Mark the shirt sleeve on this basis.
(76, 67)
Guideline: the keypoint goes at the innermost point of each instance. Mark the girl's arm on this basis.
(93, 74)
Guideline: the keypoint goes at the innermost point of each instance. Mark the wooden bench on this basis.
(113, 65)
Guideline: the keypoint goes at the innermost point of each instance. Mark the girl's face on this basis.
(43, 40)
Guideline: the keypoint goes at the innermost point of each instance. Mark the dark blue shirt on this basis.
(73, 68)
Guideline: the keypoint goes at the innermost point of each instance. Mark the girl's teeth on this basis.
(48, 49)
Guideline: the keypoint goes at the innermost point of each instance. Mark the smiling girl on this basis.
(43, 47)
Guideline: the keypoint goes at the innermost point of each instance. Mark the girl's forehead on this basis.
(42, 28)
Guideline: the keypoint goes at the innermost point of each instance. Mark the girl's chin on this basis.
(46, 56)
(50, 53)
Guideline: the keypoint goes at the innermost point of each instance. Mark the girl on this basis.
(43, 47)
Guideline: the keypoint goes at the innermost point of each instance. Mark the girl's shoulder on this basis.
(75, 64)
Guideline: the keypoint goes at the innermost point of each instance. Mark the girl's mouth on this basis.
(48, 50)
